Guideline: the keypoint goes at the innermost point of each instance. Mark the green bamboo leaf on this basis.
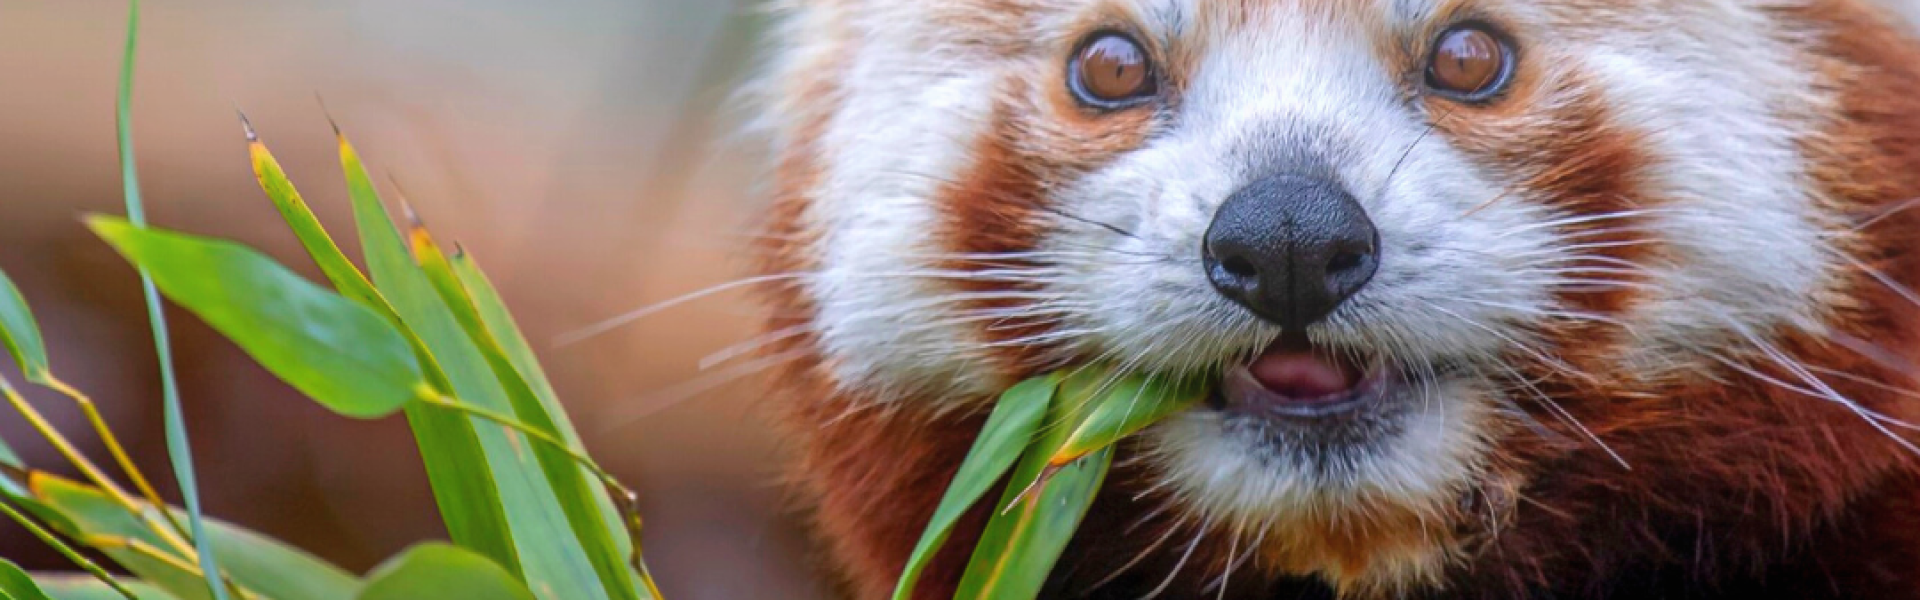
(580, 496)
(313, 236)
(1124, 408)
(91, 518)
(40, 532)
(173, 417)
(441, 571)
(1008, 432)
(550, 559)
(253, 561)
(84, 511)
(31, 353)
(462, 483)
(493, 311)
(8, 458)
(335, 351)
(464, 487)
(180, 579)
(278, 571)
(19, 332)
(500, 322)
(1019, 547)
(66, 586)
(1025, 538)
(23, 498)
(16, 585)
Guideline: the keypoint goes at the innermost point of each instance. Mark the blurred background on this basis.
(579, 148)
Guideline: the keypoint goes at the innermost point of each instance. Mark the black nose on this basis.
(1291, 248)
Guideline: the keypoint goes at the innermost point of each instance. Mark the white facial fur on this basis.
(1469, 262)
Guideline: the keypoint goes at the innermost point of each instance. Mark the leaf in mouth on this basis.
(1008, 432)
(1056, 434)
(1128, 405)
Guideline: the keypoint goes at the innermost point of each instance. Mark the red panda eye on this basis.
(1111, 70)
(1470, 62)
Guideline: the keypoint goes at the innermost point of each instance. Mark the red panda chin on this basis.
(1717, 404)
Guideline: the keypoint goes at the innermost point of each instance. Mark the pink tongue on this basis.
(1302, 375)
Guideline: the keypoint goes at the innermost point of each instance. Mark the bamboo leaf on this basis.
(63, 586)
(92, 518)
(1022, 541)
(313, 236)
(8, 458)
(1019, 547)
(499, 322)
(53, 541)
(22, 337)
(85, 511)
(505, 331)
(278, 571)
(335, 351)
(16, 585)
(253, 561)
(180, 578)
(1008, 432)
(1123, 409)
(465, 485)
(441, 571)
(19, 332)
(547, 555)
(579, 495)
(173, 417)
(457, 470)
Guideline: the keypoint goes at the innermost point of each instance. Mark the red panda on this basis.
(1504, 298)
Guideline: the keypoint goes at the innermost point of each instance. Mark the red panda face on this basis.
(1434, 251)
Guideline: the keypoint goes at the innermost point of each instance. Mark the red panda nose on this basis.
(1291, 249)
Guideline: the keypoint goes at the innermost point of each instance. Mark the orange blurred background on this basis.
(578, 148)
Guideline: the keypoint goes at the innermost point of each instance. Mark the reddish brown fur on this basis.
(1738, 488)
(1038, 135)
(1559, 138)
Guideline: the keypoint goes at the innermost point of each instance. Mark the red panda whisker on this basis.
(1101, 224)
(1149, 550)
(1535, 353)
(1876, 353)
(606, 325)
(1552, 256)
(1233, 563)
(653, 402)
(1605, 245)
(753, 344)
(1095, 251)
(1387, 182)
(1567, 417)
(1588, 219)
(1869, 415)
(1174, 573)
(1550, 277)
(1884, 213)
(1826, 392)
(1513, 410)
(1866, 381)
(1905, 292)
(1548, 313)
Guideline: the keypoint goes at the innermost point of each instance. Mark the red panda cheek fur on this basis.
(1738, 487)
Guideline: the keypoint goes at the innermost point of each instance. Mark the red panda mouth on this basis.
(1294, 377)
